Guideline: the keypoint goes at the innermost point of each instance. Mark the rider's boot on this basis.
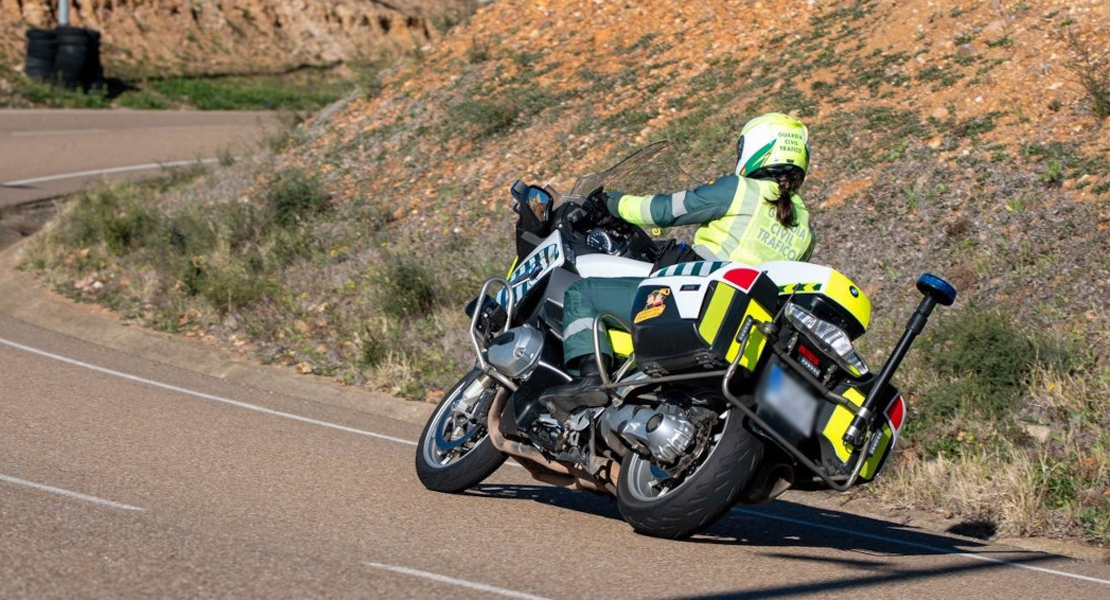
(585, 391)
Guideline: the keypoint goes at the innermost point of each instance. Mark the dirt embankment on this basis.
(245, 36)
(953, 136)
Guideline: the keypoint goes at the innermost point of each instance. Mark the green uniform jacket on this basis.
(737, 215)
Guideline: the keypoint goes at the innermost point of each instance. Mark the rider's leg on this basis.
(583, 301)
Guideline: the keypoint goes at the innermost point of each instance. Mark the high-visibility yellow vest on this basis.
(737, 215)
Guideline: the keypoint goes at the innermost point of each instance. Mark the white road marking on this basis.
(919, 546)
(180, 390)
(390, 438)
(67, 493)
(95, 172)
(481, 587)
(68, 132)
(57, 132)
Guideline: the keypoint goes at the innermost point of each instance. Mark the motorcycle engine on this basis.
(517, 351)
(666, 432)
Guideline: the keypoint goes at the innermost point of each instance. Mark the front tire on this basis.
(455, 452)
(658, 506)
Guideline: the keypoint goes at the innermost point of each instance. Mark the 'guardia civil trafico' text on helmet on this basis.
(772, 144)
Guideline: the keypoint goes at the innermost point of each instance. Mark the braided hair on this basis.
(790, 181)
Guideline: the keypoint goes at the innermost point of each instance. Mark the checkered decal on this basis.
(523, 278)
(690, 269)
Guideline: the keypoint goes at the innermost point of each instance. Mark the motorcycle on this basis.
(733, 382)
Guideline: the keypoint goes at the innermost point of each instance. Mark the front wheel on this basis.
(658, 504)
(455, 451)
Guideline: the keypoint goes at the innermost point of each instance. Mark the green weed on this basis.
(940, 76)
(293, 197)
(374, 349)
(479, 51)
(1091, 68)
(977, 125)
(488, 117)
(27, 93)
(1053, 174)
(1095, 519)
(297, 91)
(630, 121)
(407, 288)
(983, 364)
(233, 286)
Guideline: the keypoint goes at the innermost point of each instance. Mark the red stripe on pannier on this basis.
(896, 413)
(742, 278)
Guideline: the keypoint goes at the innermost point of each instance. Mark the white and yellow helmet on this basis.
(772, 143)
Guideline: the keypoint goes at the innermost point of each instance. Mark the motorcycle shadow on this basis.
(583, 502)
(781, 523)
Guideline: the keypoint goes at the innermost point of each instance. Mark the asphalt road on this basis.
(165, 482)
(49, 153)
(122, 477)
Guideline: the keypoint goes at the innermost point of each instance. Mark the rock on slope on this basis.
(218, 36)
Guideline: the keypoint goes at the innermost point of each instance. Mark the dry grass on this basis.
(979, 193)
(1043, 469)
(1001, 488)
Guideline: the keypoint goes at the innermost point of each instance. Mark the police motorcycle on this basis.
(733, 382)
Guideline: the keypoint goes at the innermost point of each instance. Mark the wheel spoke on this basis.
(455, 432)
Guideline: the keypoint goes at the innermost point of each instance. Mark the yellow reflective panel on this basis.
(512, 267)
(635, 209)
(839, 422)
(756, 340)
(872, 464)
(714, 315)
(841, 288)
(621, 342)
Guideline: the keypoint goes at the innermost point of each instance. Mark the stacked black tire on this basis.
(68, 56)
(42, 47)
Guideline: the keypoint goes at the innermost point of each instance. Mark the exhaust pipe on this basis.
(539, 466)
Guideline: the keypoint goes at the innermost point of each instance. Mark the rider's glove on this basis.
(595, 205)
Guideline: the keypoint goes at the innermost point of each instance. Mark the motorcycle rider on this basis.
(753, 216)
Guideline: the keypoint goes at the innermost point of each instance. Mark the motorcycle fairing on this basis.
(810, 283)
(547, 256)
(551, 254)
(604, 265)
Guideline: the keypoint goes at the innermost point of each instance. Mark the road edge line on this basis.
(920, 546)
(212, 397)
(110, 171)
(480, 587)
(67, 493)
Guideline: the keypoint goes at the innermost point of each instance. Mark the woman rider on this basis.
(753, 216)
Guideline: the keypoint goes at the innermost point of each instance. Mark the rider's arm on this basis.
(692, 207)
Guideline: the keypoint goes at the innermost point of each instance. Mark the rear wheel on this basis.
(659, 504)
(455, 452)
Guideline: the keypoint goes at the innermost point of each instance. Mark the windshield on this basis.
(653, 169)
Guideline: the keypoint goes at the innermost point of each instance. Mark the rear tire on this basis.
(449, 461)
(702, 497)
